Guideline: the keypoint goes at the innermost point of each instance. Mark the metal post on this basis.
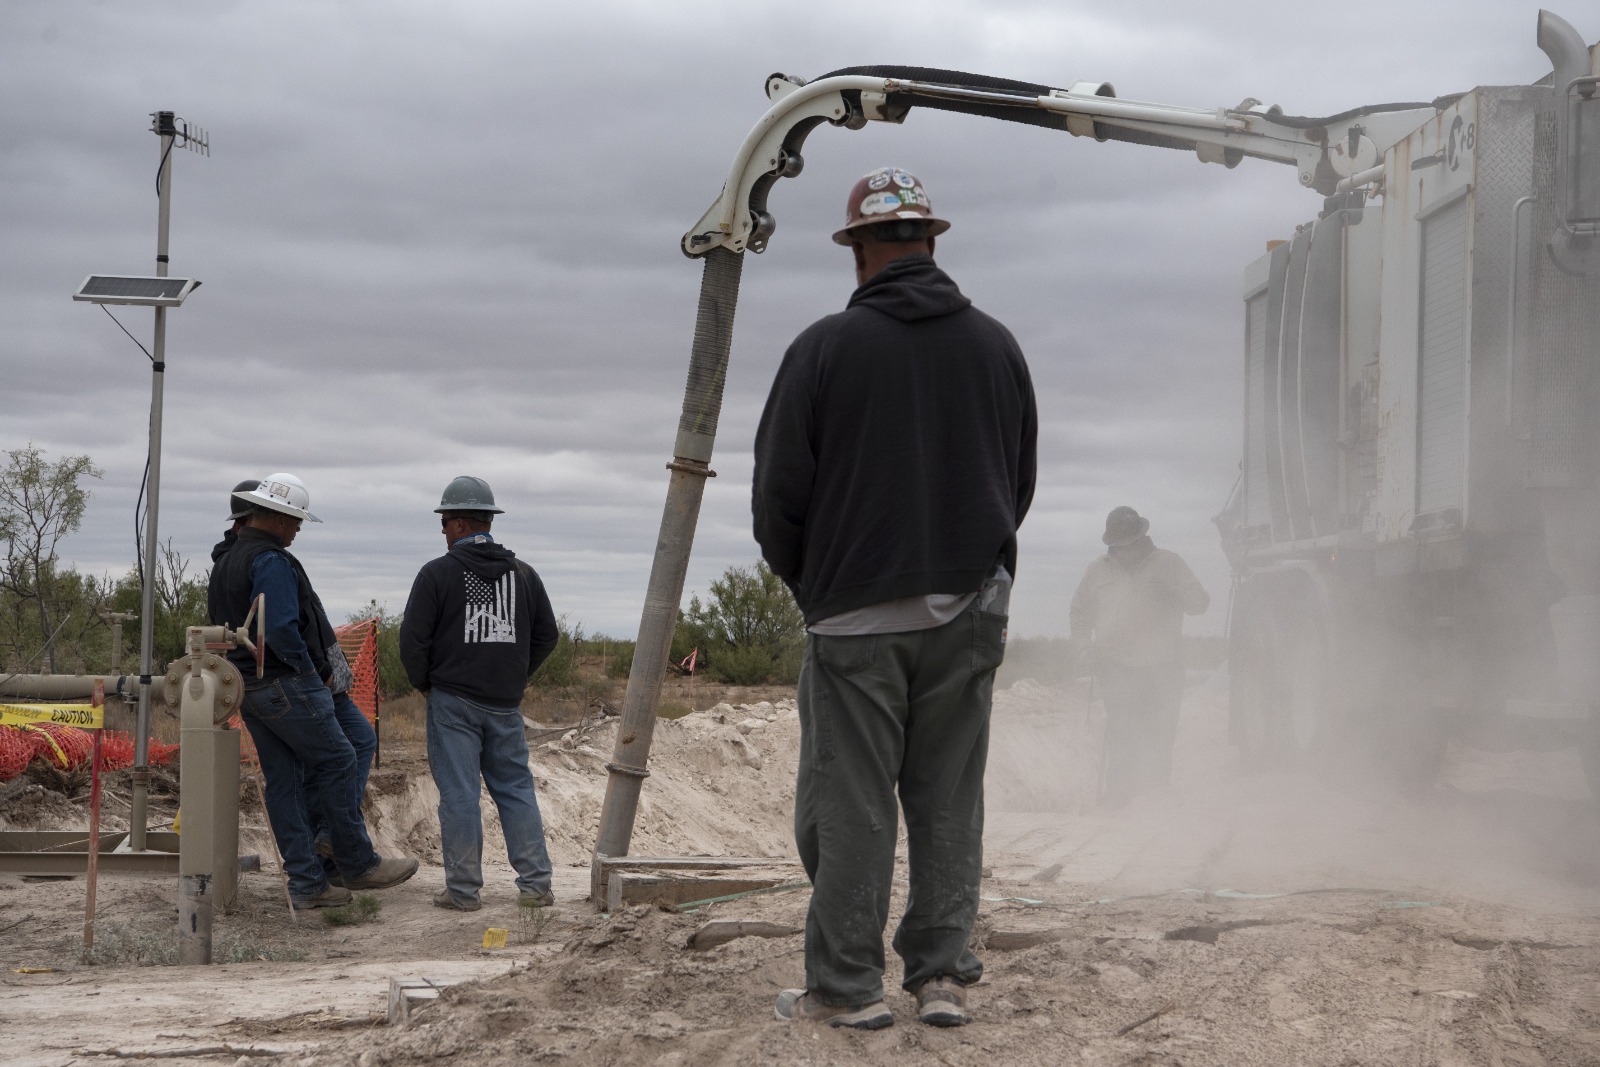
(93, 874)
(141, 753)
(697, 430)
(117, 618)
(208, 788)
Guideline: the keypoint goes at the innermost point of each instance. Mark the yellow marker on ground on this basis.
(494, 937)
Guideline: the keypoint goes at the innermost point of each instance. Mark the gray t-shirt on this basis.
(910, 613)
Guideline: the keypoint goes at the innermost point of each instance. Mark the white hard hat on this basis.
(283, 493)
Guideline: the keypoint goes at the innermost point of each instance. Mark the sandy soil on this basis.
(1234, 918)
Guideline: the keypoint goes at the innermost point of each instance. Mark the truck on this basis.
(1415, 530)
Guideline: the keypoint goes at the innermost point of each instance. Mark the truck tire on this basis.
(1253, 673)
(1589, 749)
(1280, 711)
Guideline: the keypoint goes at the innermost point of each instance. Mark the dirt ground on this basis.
(1234, 918)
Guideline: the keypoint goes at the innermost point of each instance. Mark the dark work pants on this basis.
(1141, 725)
(906, 712)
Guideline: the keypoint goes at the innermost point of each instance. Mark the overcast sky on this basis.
(443, 239)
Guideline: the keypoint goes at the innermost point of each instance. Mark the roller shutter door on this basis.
(1442, 369)
(1258, 506)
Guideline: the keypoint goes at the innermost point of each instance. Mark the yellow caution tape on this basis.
(494, 937)
(61, 757)
(83, 716)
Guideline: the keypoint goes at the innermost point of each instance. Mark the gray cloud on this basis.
(437, 240)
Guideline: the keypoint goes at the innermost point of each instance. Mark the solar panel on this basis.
(146, 291)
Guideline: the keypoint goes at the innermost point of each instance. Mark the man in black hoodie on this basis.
(476, 627)
(893, 465)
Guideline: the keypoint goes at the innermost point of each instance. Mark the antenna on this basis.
(169, 124)
(160, 293)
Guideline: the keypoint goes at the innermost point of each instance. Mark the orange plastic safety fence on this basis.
(69, 748)
(360, 643)
(16, 752)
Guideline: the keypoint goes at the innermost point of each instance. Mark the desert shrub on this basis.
(560, 670)
(749, 630)
(363, 908)
(616, 656)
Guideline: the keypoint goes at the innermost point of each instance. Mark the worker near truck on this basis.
(289, 711)
(477, 625)
(1127, 630)
(893, 464)
(340, 679)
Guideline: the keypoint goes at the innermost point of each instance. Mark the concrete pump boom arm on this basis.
(1323, 150)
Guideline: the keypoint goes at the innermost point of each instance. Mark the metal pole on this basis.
(147, 615)
(94, 823)
(697, 431)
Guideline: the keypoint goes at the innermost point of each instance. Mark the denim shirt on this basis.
(271, 574)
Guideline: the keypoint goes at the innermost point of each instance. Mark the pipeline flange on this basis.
(230, 684)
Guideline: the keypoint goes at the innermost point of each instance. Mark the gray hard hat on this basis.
(1124, 526)
(241, 510)
(467, 493)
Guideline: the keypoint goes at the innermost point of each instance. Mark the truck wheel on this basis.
(1589, 749)
(1413, 744)
(1306, 700)
(1254, 682)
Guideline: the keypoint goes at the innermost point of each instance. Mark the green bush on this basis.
(560, 671)
(392, 680)
(616, 656)
(748, 631)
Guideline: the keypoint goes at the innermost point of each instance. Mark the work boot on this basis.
(384, 873)
(536, 900)
(942, 1001)
(443, 899)
(797, 1005)
(332, 896)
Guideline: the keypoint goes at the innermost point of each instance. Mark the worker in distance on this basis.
(1127, 630)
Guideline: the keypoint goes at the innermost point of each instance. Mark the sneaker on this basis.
(942, 1002)
(796, 1005)
(332, 896)
(443, 899)
(384, 873)
(536, 900)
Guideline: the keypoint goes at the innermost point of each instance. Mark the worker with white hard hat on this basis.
(289, 711)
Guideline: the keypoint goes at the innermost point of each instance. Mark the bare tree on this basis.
(40, 503)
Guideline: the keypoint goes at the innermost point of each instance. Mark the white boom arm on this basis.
(1324, 150)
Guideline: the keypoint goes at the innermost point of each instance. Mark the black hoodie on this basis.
(477, 624)
(895, 456)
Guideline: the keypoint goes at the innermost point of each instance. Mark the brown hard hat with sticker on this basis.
(889, 195)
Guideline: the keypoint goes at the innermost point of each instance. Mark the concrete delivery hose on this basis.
(697, 430)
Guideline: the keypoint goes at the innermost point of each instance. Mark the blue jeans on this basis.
(292, 721)
(365, 742)
(467, 740)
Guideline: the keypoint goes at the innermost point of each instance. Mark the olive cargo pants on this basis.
(882, 713)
